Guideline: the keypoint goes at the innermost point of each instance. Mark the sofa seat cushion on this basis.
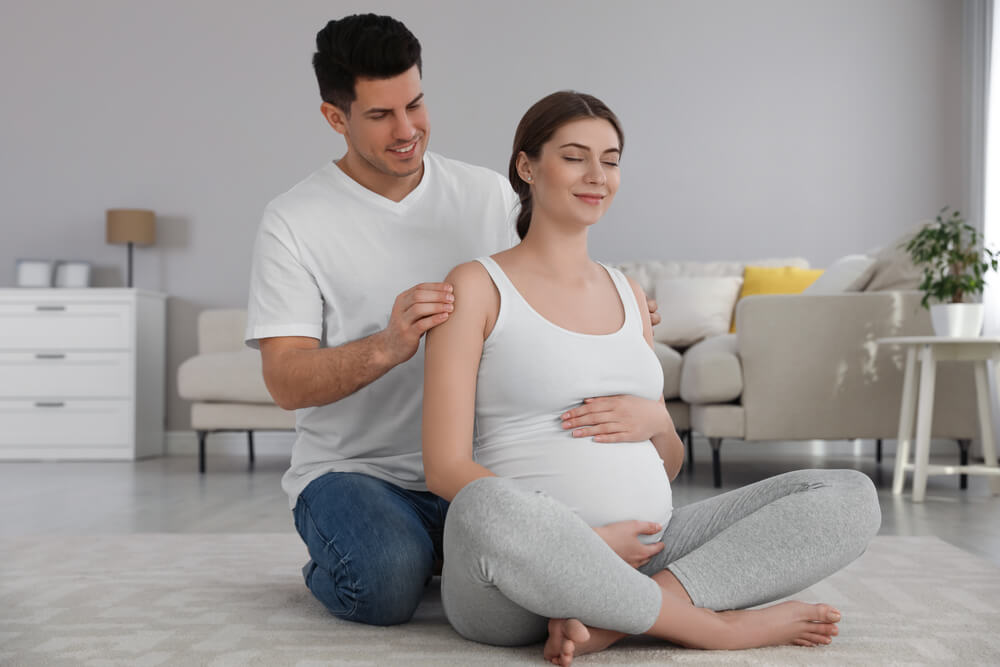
(712, 371)
(670, 361)
(233, 377)
(719, 421)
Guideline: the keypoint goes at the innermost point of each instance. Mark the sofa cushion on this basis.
(223, 376)
(221, 329)
(694, 308)
(647, 272)
(842, 274)
(670, 361)
(712, 371)
(719, 421)
(893, 268)
(241, 417)
(775, 280)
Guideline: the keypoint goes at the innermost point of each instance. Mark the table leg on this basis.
(925, 411)
(905, 419)
(986, 423)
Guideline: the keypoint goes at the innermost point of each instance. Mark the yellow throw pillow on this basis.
(774, 280)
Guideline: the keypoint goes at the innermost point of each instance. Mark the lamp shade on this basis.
(131, 225)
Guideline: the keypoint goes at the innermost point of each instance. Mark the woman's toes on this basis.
(824, 613)
(828, 629)
(816, 639)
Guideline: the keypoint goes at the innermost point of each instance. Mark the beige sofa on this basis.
(799, 367)
(225, 383)
(648, 273)
(803, 367)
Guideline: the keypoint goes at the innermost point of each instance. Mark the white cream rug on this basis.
(238, 599)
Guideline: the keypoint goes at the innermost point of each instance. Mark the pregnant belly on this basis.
(601, 482)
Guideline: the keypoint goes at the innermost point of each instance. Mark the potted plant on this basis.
(955, 265)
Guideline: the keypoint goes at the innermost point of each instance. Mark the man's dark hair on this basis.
(361, 45)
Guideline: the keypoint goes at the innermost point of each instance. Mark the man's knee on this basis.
(371, 553)
(383, 589)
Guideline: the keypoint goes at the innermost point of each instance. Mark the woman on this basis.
(544, 424)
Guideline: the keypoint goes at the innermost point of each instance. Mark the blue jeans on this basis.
(372, 545)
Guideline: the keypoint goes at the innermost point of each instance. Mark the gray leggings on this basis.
(514, 559)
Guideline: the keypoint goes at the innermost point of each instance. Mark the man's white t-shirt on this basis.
(329, 260)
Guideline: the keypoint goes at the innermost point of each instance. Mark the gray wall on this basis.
(774, 127)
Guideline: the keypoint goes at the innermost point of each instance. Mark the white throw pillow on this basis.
(695, 308)
(843, 273)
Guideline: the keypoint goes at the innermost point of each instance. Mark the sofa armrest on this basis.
(812, 368)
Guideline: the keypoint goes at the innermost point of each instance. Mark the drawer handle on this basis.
(42, 355)
(50, 307)
(49, 404)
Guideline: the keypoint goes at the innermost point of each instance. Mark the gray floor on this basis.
(168, 495)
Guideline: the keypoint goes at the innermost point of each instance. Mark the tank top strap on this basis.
(500, 279)
(633, 316)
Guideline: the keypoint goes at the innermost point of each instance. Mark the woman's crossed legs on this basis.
(514, 560)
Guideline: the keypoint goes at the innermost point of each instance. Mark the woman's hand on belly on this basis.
(620, 418)
(623, 538)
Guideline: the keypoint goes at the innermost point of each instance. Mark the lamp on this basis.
(131, 226)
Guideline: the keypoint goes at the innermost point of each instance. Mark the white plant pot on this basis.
(958, 320)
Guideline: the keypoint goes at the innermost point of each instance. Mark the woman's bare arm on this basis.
(668, 444)
(451, 364)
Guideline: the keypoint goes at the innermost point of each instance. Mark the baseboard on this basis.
(859, 447)
(185, 443)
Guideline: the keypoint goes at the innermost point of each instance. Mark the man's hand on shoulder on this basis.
(654, 317)
(414, 313)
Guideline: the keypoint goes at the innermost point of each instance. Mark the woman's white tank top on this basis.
(532, 371)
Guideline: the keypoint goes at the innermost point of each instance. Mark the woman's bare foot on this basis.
(795, 623)
(566, 635)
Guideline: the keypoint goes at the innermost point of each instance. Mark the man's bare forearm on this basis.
(303, 378)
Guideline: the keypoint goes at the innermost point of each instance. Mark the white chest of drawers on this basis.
(81, 373)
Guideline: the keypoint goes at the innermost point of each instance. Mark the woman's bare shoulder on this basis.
(471, 275)
(471, 279)
(640, 294)
(476, 297)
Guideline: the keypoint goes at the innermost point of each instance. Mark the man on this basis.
(339, 304)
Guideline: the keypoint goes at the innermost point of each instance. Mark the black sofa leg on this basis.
(201, 451)
(250, 446)
(716, 464)
(963, 459)
(878, 451)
